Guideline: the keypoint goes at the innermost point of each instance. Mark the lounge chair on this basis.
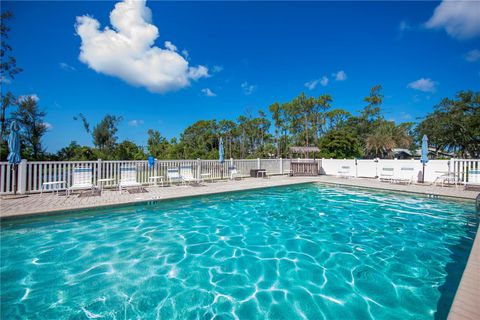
(233, 172)
(81, 180)
(386, 174)
(128, 178)
(186, 173)
(345, 172)
(446, 178)
(173, 176)
(404, 175)
(473, 179)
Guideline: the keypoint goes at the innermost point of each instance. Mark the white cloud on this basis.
(127, 50)
(135, 123)
(340, 75)
(186, 54)
(66, 66)
(423, 84)
(460, 19)
(217, 68)
(472, 55)
(208, 92)
(248, 88)
(323, 81)
(404, 26)
(24, 97)
(48, 125)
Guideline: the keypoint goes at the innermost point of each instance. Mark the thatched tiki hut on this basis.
(305, 166)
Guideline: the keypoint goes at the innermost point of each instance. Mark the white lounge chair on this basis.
(345, 172)
(128, 178)
(187, 175)
(386, 174)
(473, 179)
(173, 176)
(404, 175)
(234, 173)
(81, 180)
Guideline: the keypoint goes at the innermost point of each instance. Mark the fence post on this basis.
(258, 163)
(281, 165)
(199, 168)
(231, 162)
(356, 168)
(99, 169)
(22, 177)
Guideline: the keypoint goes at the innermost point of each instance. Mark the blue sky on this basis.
(241, 56)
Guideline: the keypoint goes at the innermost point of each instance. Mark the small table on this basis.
(204, 176)
(262, 173)
(102, 182)
(154, 180)
(56, 185)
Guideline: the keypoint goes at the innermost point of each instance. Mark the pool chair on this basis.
(345, 172)
(81, 180)
(186, 173)
(234, 174)
(473, 179)
(404, 175)
(128, 178)
(173, 176)
(386, 174)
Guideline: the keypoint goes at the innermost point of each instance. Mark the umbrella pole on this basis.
(423, 174)
(14, 169)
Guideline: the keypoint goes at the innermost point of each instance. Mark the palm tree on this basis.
(385, 138)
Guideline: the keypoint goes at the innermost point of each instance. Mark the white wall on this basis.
(371, 168)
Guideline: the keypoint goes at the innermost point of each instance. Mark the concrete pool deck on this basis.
(467, 299)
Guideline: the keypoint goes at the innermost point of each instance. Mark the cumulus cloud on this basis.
(248, 88)
(312, 84)
(135, 123)
(423, 84)
(460, 19)
(24, 97)
(208, 92)
(472, 55)
(340, 75)
(127, 50)
(48, 125)
(66, 66)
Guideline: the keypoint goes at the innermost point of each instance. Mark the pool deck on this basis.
(467, 300)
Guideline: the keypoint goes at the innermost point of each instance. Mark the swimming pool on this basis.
(308, 251)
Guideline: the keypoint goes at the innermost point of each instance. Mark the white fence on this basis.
(371, 168)
(31, 175)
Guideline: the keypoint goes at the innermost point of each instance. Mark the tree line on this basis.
(453, 127)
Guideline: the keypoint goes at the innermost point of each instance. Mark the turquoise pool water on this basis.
(308, 251)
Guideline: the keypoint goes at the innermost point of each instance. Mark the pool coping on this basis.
(466, 303)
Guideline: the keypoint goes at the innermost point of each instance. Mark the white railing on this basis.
(30, 176)
(462, 167)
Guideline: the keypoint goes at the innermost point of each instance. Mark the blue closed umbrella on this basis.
(14, 147)
(221, 152)
(221, 156)
(424, 157)
(14, 144)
